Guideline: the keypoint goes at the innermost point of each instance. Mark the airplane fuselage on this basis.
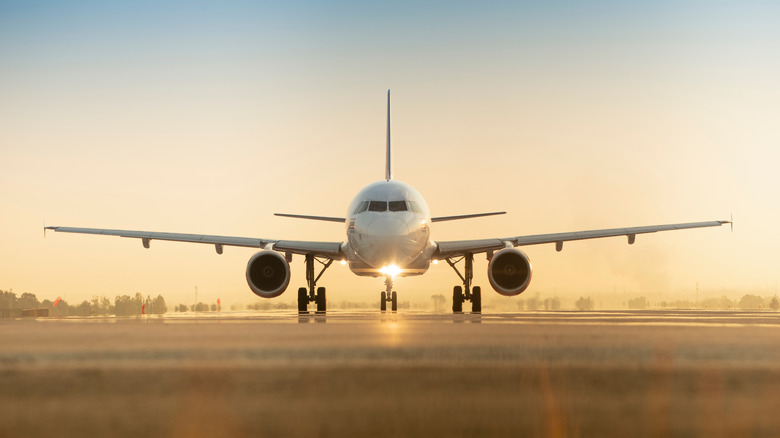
(388, 231)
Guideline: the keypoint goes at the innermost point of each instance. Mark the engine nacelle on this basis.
(509, 272)
(268, 274)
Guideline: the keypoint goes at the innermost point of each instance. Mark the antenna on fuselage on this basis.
(388, 172)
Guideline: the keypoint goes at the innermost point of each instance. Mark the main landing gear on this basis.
(388, 295)
(466, 292)
(309, 294)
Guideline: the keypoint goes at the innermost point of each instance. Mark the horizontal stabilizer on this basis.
(464, 216)
(314, 218)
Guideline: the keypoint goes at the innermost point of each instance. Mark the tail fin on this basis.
(388, 172)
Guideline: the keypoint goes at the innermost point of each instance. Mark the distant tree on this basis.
(158, 306)
(584, 303)
(63, 309)
(261, 305)
(774, 304)
(637, 303)
(125, 305)
(84, 309)
(7, 300)
(520, 304)
(533, 303)
(439, 302)
(552, 304)
(101, 306)
(282, 306)
(27, 301)
(200, 307)
(750, 302)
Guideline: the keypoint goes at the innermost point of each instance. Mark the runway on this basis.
(638, 373)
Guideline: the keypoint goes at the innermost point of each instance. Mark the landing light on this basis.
(343, 262)
(391, 270)
(435, 262)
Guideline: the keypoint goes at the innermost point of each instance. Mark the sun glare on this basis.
(391, 270)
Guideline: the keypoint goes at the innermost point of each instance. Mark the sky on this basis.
(208, 117)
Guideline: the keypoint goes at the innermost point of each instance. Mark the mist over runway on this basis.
(644, 373)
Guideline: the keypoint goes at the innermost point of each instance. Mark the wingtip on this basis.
(730, 222)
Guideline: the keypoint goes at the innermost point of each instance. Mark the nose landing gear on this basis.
(388, 295)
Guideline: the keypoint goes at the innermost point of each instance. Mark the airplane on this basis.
(388, 234)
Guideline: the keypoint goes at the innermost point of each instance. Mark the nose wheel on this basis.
(388, 296)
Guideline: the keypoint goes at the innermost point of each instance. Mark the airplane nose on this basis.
(387, 239)
(389, 226)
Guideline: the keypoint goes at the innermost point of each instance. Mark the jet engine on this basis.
(268, 274)
(509, 272)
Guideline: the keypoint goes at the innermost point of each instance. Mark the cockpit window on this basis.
(413, 207)
(377, 206)
(363, 206)
(397, 205)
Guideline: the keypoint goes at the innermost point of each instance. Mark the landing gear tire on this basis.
(383, 302)
(457, 299)
(321, 300)
(476, 300)
(394, 302)
(303, 300)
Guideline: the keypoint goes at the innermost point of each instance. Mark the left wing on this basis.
(454, 248)
(464, 216)
(330, 250)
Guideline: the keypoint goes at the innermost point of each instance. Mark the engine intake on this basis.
(509, 272)
(268, 274)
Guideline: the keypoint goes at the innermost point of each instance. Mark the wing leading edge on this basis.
(455, 248)
(324, 249)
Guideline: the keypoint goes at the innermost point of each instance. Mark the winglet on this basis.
(730, 222)
(388, 172)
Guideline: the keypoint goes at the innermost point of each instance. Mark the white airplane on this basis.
(388, 227)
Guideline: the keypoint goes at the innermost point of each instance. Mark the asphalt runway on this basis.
(632, 373)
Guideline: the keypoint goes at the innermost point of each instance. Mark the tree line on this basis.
(747, 302)
(123, 305)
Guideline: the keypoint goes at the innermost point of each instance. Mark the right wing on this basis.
(456, 248)
(330, 250)
(314, 218)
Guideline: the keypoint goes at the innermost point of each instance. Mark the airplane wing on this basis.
(455, 248)
(314, 218)
(464, 216)
(330, 250)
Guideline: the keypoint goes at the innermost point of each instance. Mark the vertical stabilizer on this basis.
(388, 172)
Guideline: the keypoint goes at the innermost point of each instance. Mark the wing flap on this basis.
(456, 248)
(327, 249)
(176, 237)
(324, 249)
(611, 232)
